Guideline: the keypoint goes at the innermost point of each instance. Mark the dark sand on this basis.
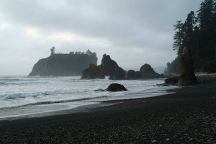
(189, 116)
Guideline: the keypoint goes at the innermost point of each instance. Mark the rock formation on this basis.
(108, 67)
(133, 75)
(187, 76)
(93, 72)
(111, 69)
(115, 87)
(146, 72)
(64, 64)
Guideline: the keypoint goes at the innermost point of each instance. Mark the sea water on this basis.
(26, 96)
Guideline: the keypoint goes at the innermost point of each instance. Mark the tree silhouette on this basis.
(198, 33)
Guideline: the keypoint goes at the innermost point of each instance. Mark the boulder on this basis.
(187, 76)
(115, 87)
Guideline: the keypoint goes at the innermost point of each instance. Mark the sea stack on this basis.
(146, 72)
(71, 64)
(187, 76)
(108, 68)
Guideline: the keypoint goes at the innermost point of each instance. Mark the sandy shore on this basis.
(188, 116)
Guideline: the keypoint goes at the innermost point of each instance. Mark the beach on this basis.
(108, 72)
(186, 116)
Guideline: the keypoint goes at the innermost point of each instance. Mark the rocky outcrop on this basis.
(93, 72)
(118, 74)
(115, 87)
(187, 76)
(108, 67)
(146, 72)
(64, 64)
(111, 69)
(41, 68)
(133, 75)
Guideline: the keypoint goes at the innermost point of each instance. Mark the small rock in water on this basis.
(154, 141)
(115, 87)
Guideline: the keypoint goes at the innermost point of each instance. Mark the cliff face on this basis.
(63, 64)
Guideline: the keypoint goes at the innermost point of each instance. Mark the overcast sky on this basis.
(133, 32)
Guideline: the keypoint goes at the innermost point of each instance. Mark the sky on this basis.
(133, 32)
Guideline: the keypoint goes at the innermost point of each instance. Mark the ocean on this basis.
(32, 96)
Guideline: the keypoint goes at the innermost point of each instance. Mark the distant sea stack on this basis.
(111, 69)
(71, 64)
(108, 67)
(146, 72)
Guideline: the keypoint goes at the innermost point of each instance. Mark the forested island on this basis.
(71, 64)
(198, 33)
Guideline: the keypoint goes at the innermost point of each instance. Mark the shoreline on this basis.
(83, 108)
(79, 109)
(187, 116)
(44, 109)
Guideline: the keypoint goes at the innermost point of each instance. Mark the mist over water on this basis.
(21, 96)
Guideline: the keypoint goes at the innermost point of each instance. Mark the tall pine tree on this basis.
(184, 33)
(206, 25)
(178, 37)
(198, 32)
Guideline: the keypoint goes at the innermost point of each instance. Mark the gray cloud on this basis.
(132, 31)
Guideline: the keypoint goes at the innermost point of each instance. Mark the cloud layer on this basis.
(133, 32)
